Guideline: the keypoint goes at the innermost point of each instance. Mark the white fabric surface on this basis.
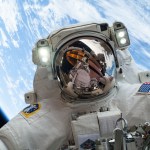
(144, 76)
(85, 125)
(135, 107)
(107, 122)
(50, 127)
(3, 146)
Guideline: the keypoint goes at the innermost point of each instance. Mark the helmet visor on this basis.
(85, 68)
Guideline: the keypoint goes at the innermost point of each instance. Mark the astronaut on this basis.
(85, 79)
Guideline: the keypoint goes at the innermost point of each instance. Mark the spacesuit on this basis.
(85, 81)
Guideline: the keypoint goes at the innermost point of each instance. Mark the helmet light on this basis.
(42, 53)
(123, 41)
(121, 35)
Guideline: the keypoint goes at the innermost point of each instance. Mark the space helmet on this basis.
(83, 60)
(85, 69)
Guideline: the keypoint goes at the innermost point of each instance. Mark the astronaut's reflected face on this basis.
(86, 67)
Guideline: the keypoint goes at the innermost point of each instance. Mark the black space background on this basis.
(3, 118)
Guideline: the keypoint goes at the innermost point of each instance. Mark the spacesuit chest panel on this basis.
(93, 126)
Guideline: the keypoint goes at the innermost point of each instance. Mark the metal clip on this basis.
(121, 119)
(120, 135)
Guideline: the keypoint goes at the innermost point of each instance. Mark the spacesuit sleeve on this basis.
(2, 145)
(7, 139)
(129, 67)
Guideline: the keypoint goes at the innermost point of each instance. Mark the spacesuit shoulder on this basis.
(17, 133)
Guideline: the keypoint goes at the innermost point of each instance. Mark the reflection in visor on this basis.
(86, 76)
(87, 68)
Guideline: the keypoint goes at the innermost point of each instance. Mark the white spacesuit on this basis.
(85, 81)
